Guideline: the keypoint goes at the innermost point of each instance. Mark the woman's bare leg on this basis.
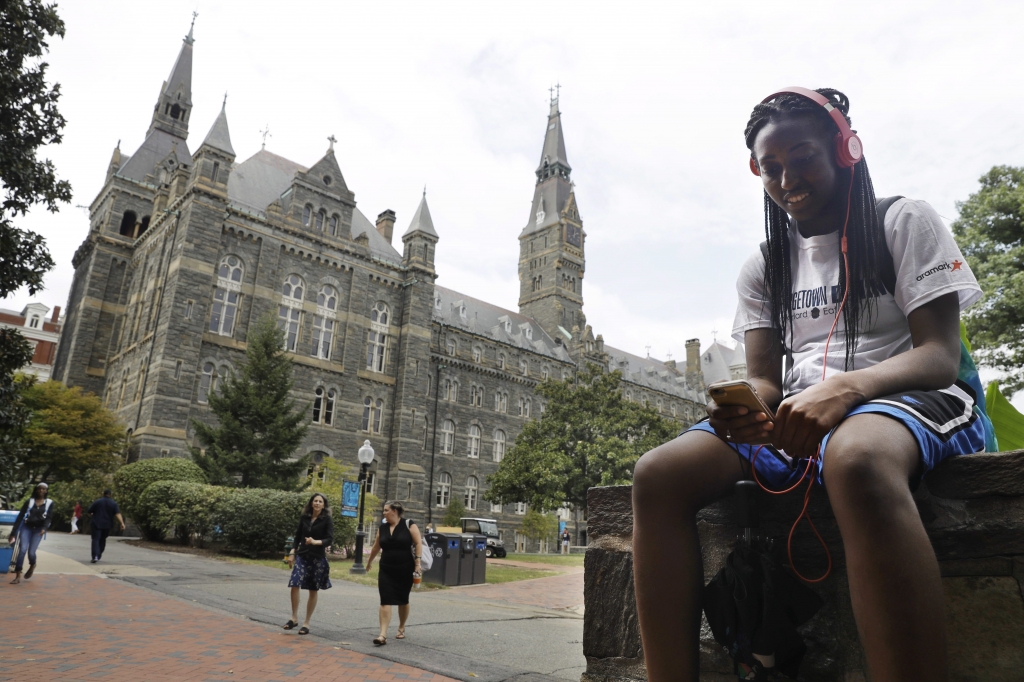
(403, 615)
(385, 619)
(310, 605)
(670, 485)
(295, 605)
(894, 577)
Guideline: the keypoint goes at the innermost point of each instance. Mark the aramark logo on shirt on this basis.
(954, 266)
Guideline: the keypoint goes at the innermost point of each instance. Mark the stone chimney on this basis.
(386, 224)
(56, 314)
(694, 374)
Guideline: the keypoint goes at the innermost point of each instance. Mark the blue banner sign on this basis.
(350, 498)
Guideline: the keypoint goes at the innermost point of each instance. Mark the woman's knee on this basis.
(869, 460)
(681, 472)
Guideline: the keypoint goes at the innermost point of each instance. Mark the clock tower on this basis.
(551, 246)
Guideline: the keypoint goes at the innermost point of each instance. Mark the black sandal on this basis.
(290, 625)
(380, 641)
(303, 630)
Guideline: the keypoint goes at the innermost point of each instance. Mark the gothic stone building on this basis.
(186, 249)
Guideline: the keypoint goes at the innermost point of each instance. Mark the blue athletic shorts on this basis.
(942, 422)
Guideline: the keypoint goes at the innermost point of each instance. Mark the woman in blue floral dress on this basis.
(310, 569)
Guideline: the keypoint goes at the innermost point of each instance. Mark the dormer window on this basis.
(328, 180)
(34, 322)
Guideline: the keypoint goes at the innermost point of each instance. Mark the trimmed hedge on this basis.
(256, 520)
(186, 508)
(133, 479)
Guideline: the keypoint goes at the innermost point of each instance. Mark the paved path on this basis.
(487, 633)
(79, 627)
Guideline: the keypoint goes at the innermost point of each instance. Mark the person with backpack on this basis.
(861, 371)
(103, 513)
(30, 528)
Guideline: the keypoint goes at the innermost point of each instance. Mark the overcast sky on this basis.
(454, 96)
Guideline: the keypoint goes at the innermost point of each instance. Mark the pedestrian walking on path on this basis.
(566, 539)
(103, 512)
(30, 528)
(75, 516)
(310, 568)
(398, 543)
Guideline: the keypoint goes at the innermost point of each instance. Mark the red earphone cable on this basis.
(817, 455)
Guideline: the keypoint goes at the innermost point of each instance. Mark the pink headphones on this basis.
(849, 149)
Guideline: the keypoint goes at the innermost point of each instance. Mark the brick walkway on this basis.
(70, 627)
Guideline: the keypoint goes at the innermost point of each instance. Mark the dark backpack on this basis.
(36, 516)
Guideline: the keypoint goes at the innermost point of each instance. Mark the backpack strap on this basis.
(888, 269)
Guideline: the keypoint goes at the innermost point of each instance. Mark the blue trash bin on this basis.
(7, 519)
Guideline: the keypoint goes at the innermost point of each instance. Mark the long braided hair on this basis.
(865, 236)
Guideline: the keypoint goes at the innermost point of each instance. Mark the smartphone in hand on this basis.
(741, 393)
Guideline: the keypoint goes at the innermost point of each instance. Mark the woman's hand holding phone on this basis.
(737, 417)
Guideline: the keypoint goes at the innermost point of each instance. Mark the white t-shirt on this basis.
(928, 265)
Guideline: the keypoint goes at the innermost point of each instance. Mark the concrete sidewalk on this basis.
(78, 627)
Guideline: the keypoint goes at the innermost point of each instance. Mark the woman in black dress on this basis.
(398, 543)
(310, 570)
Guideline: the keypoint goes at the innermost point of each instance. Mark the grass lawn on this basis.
(556, 559)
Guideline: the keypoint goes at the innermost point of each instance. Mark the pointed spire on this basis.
(553, 160)
(189, 39)
(421, 221)
(219, 137)
(174, 105)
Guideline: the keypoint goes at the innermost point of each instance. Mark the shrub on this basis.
(133, 479)
(256, 520)
(187, 508)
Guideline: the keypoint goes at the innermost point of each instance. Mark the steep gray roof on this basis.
(157, 145)
(378, 245)
(496, 323)
(650, 373)
(421, 221)
(553, 194)
(259, 180)
(219, 137)
(554, 142)
(181, 72)
(717, 359)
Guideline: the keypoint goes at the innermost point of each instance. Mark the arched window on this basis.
(476, 396)
(323, 406)
(544, 372)
(377, 338)
(451, 390)
(323, 324)
(500, 401)
(501, 361)
(144, 225)
(378, 415)
(523, 367)
(334, 225)
(289, 315)
(472, 487)
(450, 346)
(661, 405)
(327, 298)
(447, 437)
(499, 445)
(526, 407)
(373, 412)
(474, 442)
(444, 489)
(426, 432)
(207, 382)
(226, 296)
(321, 217)
(231, 269)
(128, 224)
(307, 215)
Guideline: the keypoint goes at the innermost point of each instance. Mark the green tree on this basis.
(15, 352)
(990, 232)
(538, 526)
(589, 435)
(454, 512)
(69, 433)
(259, 425)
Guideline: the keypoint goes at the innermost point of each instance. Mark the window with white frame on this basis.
(500, 401)
(447, 437)
(473, 451)
(521, 508)
(476, 396)
(501, 361)
(478, 353)
(499, 445)
(377, 337)
(207, 382)
(323, 406)
(371, 482)
(289, 314)
(451, 390)
(323, 335)
(472, 488)
(444, 490)
(523, 367)
(373, 411)
(495, 507)
(224, 310)
(450, 346)
(34, 322)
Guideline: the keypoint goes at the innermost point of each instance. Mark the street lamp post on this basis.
(365, 458)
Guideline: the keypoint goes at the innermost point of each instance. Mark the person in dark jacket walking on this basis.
(30, 528)
(310, 568)
(104, 512)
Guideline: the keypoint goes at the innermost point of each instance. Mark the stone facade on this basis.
(972, 508)
(185, 250)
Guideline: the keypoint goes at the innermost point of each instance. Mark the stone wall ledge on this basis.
(972, 508)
